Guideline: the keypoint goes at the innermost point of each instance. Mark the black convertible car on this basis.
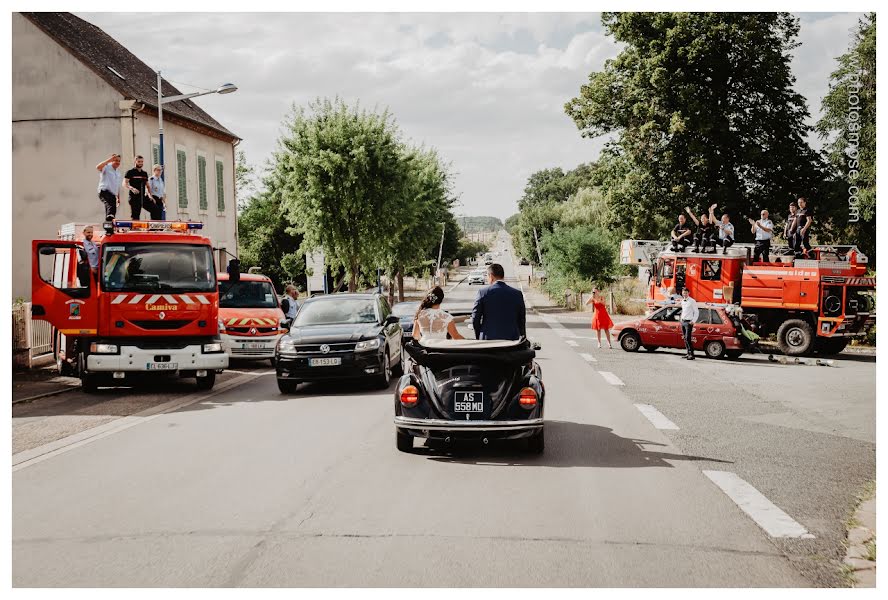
(340, 336)
(457, 389)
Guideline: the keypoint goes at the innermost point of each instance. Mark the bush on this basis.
(579, 256)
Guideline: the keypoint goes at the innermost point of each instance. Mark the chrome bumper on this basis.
(444, 425)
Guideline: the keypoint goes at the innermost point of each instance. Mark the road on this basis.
(248, 487)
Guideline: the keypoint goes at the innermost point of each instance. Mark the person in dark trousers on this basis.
(790, 229)
(805, 218)
(681, 235)
(763, 230)
(136, 181)
(109, 185)
(689, 315)
(157, 193)
(725, 229)
(705, 236)
(499, 312)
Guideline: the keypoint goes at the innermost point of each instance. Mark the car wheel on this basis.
(287, 386)
(714, 349)
(207, 381)
(795, 337)
(404, 441)
(384, 379)
(733, 353)
(630, 342)
(650, 348)
(537, 442)
(88, 382)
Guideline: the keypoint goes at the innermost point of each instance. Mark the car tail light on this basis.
(528, 398)
(409, 396)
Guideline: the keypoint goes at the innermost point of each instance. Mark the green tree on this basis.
(344, 182)
(578, 256)
(703, 109)
(244, 179)
(848, 125)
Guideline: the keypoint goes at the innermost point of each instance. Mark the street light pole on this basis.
(160, 127)
(440, 248)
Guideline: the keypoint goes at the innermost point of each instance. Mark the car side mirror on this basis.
(391, 320)
(286, 324)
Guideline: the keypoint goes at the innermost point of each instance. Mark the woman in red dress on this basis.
(601, 321)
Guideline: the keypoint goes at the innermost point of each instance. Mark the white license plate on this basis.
(324, 362)
(252, 345)
(468, 402)
(165, 366)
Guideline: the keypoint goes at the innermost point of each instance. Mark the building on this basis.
(78, 96)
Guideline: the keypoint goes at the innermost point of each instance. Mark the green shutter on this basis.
(202, 181)
(155, 155)
(220, 186)
(183, 184)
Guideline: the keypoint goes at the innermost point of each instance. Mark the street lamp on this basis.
(440, 248)
(225, 88)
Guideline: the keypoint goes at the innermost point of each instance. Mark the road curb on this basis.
(46, 394)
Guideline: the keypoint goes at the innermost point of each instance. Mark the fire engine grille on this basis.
(156, 325)
(243, 330)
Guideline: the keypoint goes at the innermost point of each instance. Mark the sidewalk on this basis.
(860, 561)
(39, 383)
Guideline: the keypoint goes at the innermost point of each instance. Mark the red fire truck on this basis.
(150, 309)
(817, 304)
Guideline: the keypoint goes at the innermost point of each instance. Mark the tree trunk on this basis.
(353, 277)
(400, 285)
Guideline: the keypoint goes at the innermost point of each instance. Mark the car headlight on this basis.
(286, 345)
(100, 348)
(212, 347)
(367, 345)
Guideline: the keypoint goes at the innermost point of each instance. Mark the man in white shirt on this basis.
(109, 185)
(763, 230)
(290, 305)
(689, 314)
(725, 229)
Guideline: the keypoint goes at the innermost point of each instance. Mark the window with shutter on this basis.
(220, 186)
(202, 181)
(183, 184)
(155, 156)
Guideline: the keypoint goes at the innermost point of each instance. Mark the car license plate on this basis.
(324, 362)
(468, 402)
(162, 366)
(248, 345)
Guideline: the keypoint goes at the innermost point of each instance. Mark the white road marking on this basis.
(588, 357)
(656, 418)
(761, 510)
(611, 378)
(571, 343)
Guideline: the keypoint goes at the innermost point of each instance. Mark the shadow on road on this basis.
(568, 444)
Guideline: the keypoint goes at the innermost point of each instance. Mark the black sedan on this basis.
(340, 336)
(406, 311)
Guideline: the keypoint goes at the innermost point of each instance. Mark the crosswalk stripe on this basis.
(571, 343)
(588, 357)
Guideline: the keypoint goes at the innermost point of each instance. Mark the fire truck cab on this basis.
(813, 305)
(151, 308)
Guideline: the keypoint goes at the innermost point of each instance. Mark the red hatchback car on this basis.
(714, 333)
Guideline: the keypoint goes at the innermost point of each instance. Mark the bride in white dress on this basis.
(432, 323)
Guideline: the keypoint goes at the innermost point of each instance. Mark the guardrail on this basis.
(31, 338)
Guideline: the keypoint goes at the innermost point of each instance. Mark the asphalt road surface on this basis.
(248, 487)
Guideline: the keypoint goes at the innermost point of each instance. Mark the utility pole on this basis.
(440, 248)
(537, 240)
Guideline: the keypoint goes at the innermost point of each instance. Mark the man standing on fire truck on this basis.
(763, 230)
(689, 315)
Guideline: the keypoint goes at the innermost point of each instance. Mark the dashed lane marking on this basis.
(588, 357)
(571, 343)
(611, 378)
(765, 513)
(656, 418)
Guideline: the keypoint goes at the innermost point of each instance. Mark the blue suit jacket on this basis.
(499, 313)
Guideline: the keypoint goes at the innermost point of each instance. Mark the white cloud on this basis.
(487, 90)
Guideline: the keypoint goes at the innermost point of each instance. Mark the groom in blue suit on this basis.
(499, 312)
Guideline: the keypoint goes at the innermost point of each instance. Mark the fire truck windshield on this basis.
(246, 294)
(158, 267)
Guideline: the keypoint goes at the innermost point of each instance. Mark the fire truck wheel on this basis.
(207, 381)
(714, 349)
(795, 337)
(630, 342)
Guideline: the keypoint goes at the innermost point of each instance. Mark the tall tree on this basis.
(244, 179)
(704, 111)
(848, 125)
(344, 182)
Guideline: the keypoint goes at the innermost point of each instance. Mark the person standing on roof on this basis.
(791, 228)
(705, 236)
(689, 315)
(157, 193)
(136, 181)
(763, 230)
(805, 220)
(109, 185)
(725, 229)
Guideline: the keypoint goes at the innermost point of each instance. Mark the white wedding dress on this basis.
(433, 324)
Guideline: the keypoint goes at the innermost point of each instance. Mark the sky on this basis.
(486, 90)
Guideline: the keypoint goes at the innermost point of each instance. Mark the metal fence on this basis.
(31, 339)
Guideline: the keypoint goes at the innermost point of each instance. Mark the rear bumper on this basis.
(234, 345)
(131, 358)
(438, 427)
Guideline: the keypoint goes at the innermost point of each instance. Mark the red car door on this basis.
(664, 328)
